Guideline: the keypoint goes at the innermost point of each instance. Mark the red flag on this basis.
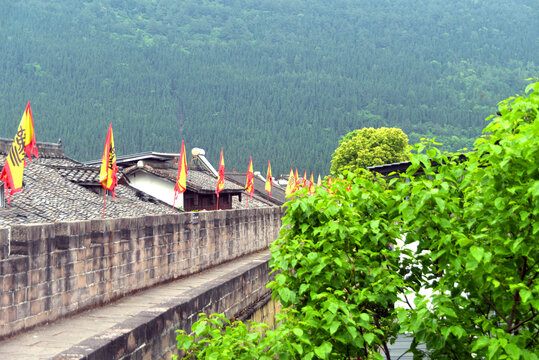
(107, 175)
(329, 185)
(249, 185)
(24, 142)
(221, 179)
(269, 180)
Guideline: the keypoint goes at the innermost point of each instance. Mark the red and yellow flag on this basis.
(319, 182)
(296, 180)
(221, 179)
(249, 184)
(311, 185)
(107, 175)
(24, 142)
(181, 182)
(330, 182)
(269, 180)
(304, 181)
(291, 185)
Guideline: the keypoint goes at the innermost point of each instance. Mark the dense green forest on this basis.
(279, 80)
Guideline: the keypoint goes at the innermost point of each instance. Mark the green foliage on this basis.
(476, 225)
(368, 147)
(474, 221)
(215, 337)
(279, 80)
(335, 272)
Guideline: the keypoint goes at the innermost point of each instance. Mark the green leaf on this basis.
(298, 348)
(441, 203)
(493, 348)
(369, 337)
(375, 225)
(333, 307)
(280, 279)
(334, 327)
(457, 331)
(477, 252)
(447, 311)
(513, 351)
(480, 343)
(298, 332)
(201, 326)
(323, 350)
(525, 295)
(365, 317)
(352, 331)
(284, 294)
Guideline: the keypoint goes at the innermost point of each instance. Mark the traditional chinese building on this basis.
(155, 174)
(57, 188)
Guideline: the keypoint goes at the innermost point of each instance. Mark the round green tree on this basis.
(366, 147)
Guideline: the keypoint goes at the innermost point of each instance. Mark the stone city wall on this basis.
(58, 269)
(151, 334)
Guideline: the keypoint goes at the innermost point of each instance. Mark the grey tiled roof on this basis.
(51, 192)
(79, 174)
(131, 159)
(47, 197)
(198, 180)
(277, 193)
(46, 150)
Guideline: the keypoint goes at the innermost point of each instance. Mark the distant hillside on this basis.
(275, 79)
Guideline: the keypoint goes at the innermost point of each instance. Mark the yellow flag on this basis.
(107, 175)
(269, 180)
(181, 183)
(221, 178)
(291, 186)
(249, 184)
(311, 185)
(24, 142)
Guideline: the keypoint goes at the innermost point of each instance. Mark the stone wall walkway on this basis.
(46, 342)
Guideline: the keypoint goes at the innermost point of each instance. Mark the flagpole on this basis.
(104, 202)
(217, 201)
(174, 203)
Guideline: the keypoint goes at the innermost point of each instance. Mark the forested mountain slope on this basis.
(279, 80)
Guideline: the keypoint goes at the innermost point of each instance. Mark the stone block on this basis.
(73, 227)
(44, 289)
(7, 299)
(81, 281)
(20, 296)
(90, 278)
(36, 307)
(98, 237)
(20, 280)
(7, 281)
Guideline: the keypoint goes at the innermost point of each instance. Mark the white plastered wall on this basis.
(157, 187)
